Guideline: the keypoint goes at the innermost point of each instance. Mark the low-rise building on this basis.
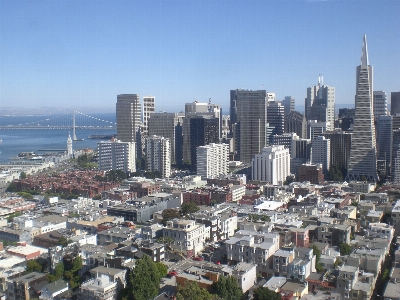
(100, 288)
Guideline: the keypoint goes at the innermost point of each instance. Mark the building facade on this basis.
(212, 160)
(149, 107)
(380, 104)
(116, 155)
(296, 122)
(394, 103)
(321, 153)
(384, 143)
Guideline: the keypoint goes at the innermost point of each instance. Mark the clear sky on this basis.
(83, 53)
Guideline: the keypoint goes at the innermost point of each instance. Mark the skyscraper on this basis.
(321, 153)
(249, 112)
(384, 143)
(320, 103)
(362, 163)
(276, 119)
(296, 122)
(213, 160)
(128, 114)
(289, 105)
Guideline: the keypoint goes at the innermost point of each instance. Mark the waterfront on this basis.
(15, 141)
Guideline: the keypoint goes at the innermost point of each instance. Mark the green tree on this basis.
(59, 270)
(345, 249)
(265, 219)
(263, 293)
(22, 175)
(162, 269)
(317, 254)
(12, 188)
(189, 208)
(253, 217)
(64, 242)
(192, 291)
(145, 279)
(227, 288)
(25, 195)
(169, 214)
(33, 266)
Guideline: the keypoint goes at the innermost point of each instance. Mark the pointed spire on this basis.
(364, 53)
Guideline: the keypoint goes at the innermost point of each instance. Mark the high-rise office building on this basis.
(340, 147)
(289, 105)
(316, 128)
(116, 155)
(346, 119)
(320, 103)
(321, 153)
(271, 165)
(394, 103)
(128, 115)
(384, 143)
(212, 160)
(395, 170)
(380, 104)
(276, 119)
(149, 107)
(249, 113)
(362, 163)
(203, 130)
(158, 154)
(169, 125)
(296, 122)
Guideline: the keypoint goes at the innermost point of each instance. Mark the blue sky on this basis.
(83, 53)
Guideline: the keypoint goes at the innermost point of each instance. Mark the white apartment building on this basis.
(271, 165)
(187, 235)
(212, 160)
(116, 155)
(321, 153)
(158, 154)
(98, 288)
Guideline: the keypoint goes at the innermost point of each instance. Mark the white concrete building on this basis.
(149, 107)
(315, 128)
(271, 165)
(321, 153)
(98, 288)
(187, 235)
(158, 155)
(380, 104)
(213, 160)
(116, 155)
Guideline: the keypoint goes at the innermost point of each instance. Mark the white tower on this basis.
(69, 145)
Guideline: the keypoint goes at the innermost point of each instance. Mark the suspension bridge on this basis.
(76, 120)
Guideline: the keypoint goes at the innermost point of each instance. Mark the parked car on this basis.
(172, 273)
(198, 258)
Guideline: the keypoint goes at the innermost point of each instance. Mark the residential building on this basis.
(212, 160)
(169, 126)
(248, 110)
(52, 290)
(246, 275)
(99, 288)
(320, 103)
(116, 155)
(333, 234)
(128, 114)
(158, 155)
(362, 163)
(271, 165)
(380, 104)
(188, 236)
(21, 288)
(321, 153)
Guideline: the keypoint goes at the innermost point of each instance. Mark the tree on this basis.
(22, 175)
(59, 270)
(345, 249)
(265, 219)
(192, 291)
(33, 266)
(169, 214)
(145, 279)
(12, 188)
(227, 288)
(263, 293)
(162, 269)
(317, 254)
(189, 208)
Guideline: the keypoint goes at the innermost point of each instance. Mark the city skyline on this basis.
(84, 53)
